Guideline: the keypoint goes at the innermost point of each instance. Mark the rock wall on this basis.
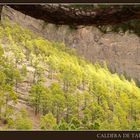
(120, 51)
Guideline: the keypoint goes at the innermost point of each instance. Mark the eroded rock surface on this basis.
(121, 51)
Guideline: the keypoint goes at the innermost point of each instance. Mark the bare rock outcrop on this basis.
(121, 51)
(64, 14)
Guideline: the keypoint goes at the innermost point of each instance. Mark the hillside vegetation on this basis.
(63, 90)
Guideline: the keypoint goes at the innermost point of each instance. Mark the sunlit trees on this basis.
(36, 93)
(48, 122)
(62, 125)
(38, 68)
(58, 100)
(68, 92)
(22, 121)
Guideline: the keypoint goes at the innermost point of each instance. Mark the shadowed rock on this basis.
(67, 15)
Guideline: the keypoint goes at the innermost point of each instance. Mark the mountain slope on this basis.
(49, 86)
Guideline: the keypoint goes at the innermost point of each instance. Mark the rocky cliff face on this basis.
(120, 51)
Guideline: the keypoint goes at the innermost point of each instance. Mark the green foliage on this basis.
(131, 26)
(63, 125)
(75, 123)
(22, 121)
(67, 91)
(48, 122)
(37, 93)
